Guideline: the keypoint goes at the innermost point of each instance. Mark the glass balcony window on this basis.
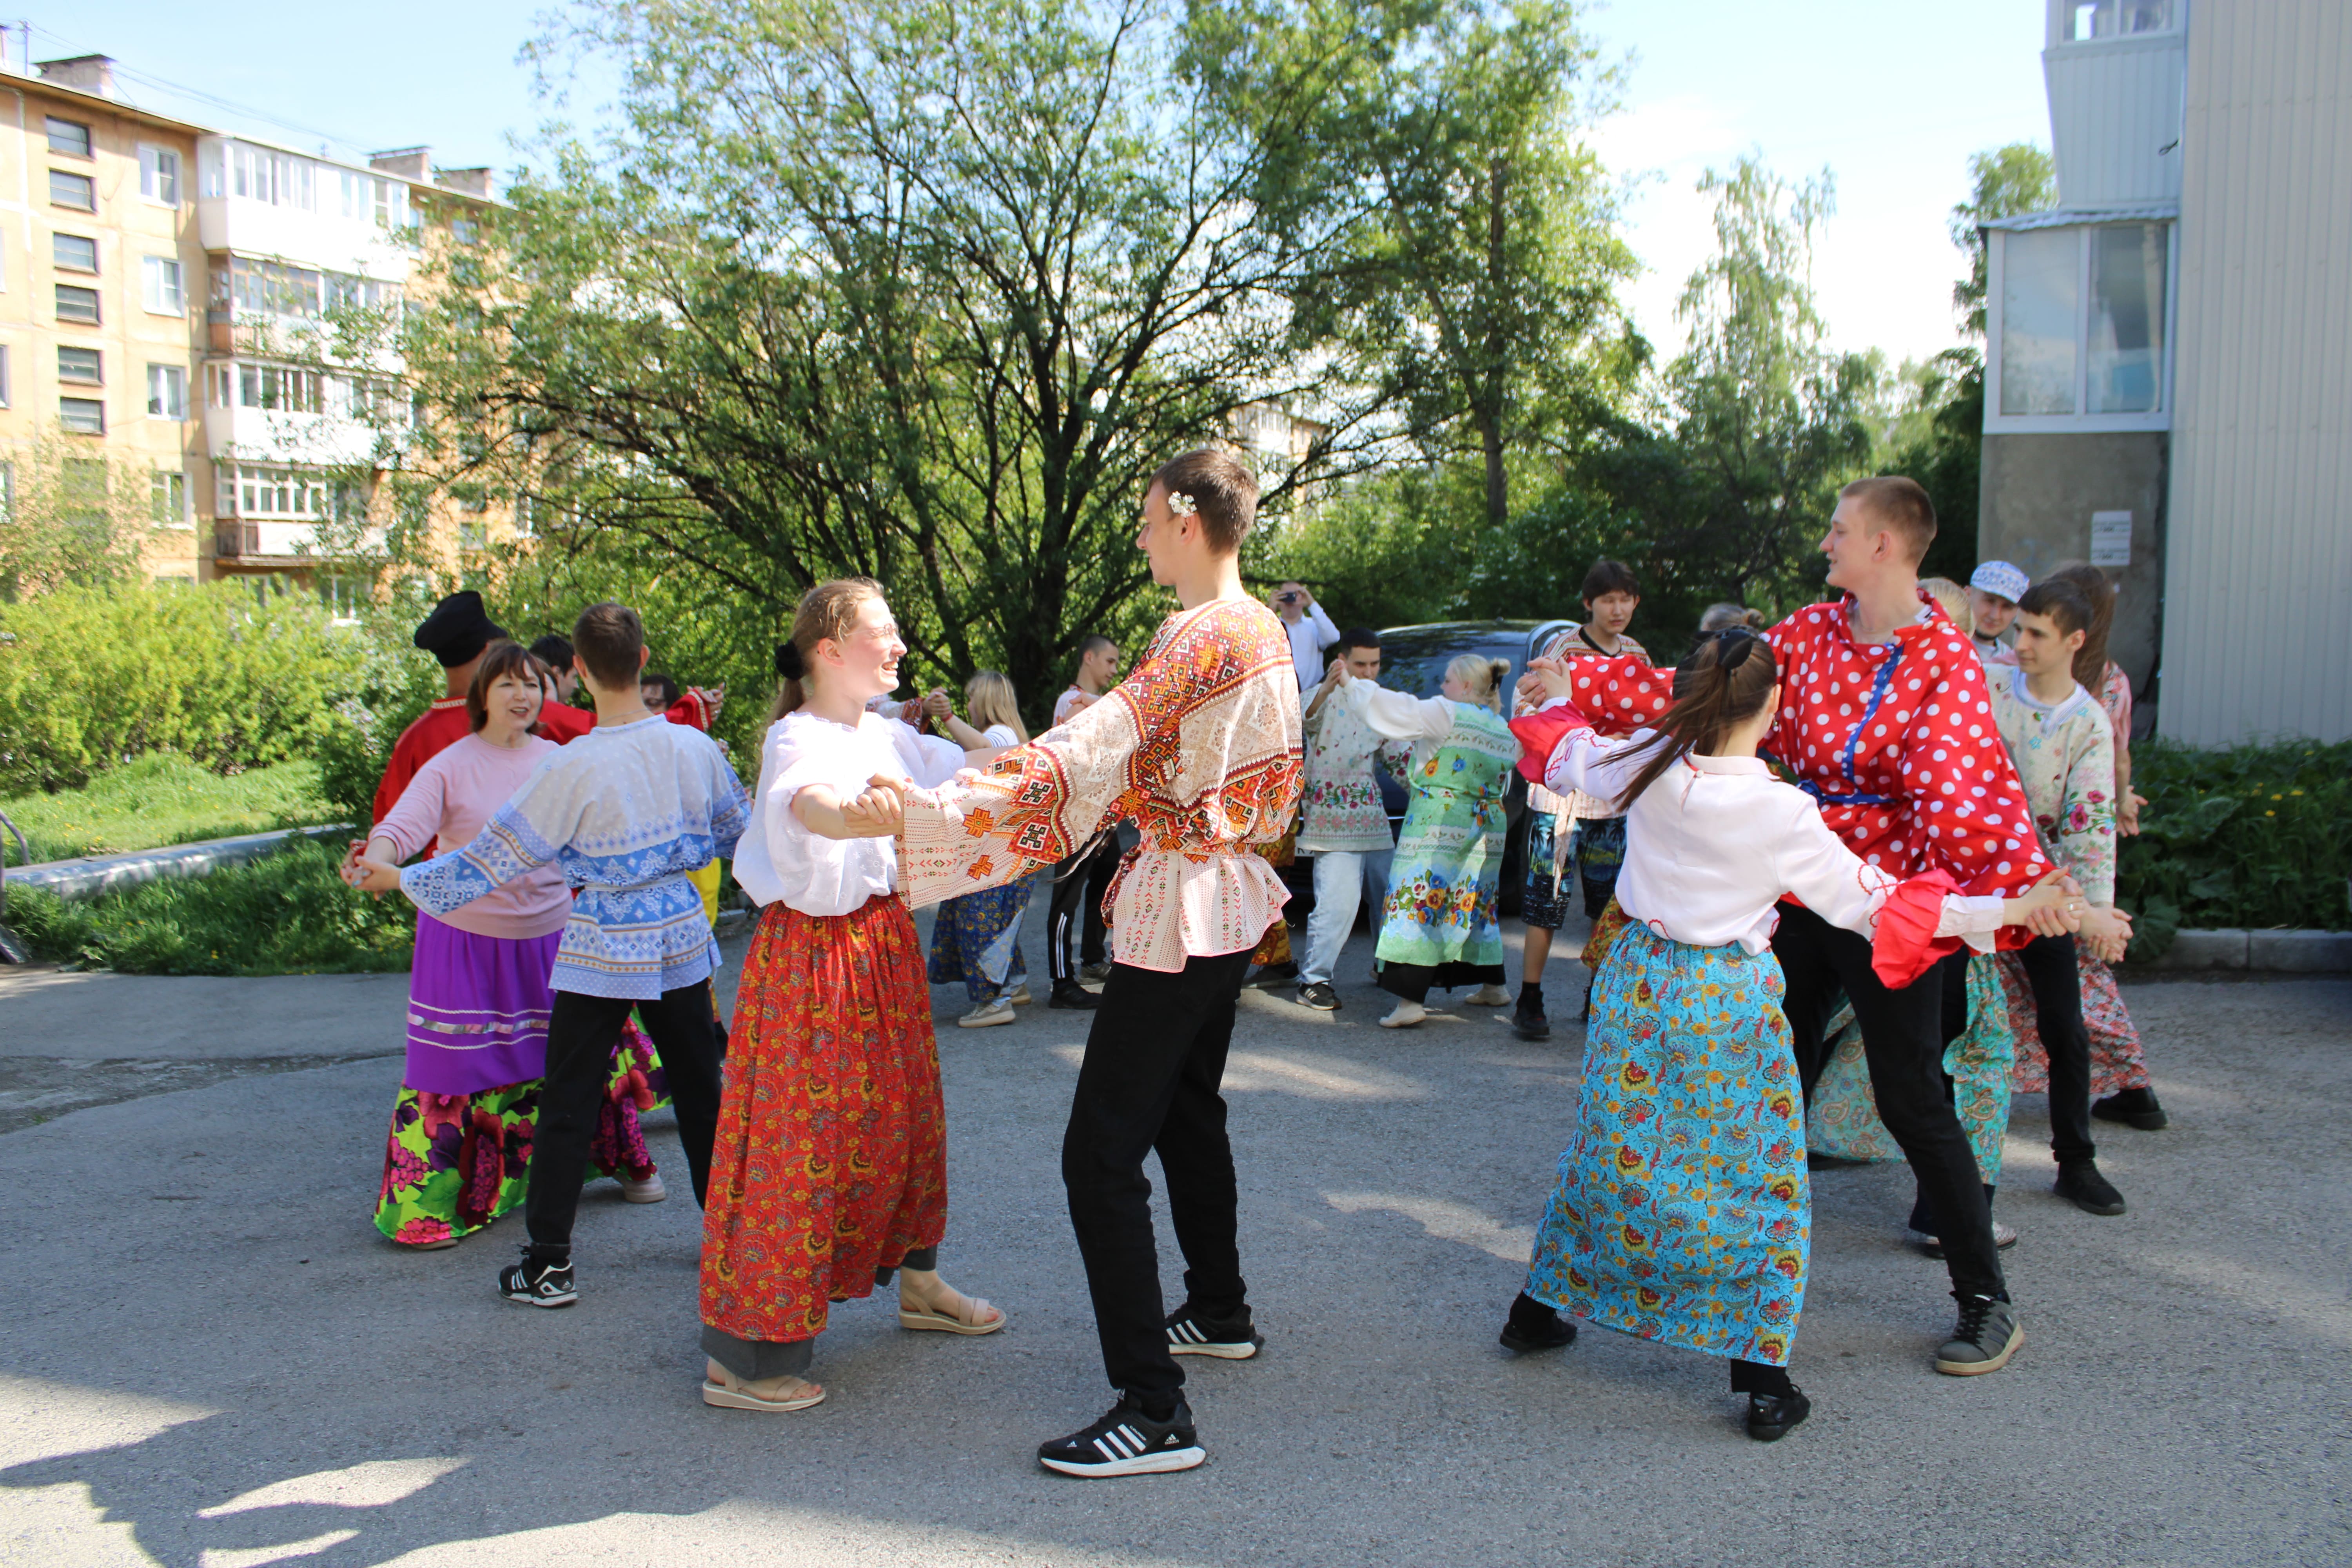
(272, 288)
(2087, 21)
(2080, 324)
(2039, 290)
(2125, 369)
(244, 491)
(277, 178)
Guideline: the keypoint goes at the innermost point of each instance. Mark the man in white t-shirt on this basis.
(1081, 881)
(1309, 628)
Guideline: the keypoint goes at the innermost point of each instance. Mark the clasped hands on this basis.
(878, 811)
(368, 874)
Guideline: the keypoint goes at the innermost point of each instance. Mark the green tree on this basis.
(1476, 286)
(68, 518)
(917, 289)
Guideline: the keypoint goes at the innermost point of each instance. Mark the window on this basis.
(82, 366)
(273, 287)
(159, 279)
(392, 203)
(159, 174)
(244, 491)
(347, 292)
(273, 177)
(78, 192)
(167, 391)
(2125, 369)
(68, 137)
(168, 500)
(472, 536)
(369, 199)
(4, 375)
(77, 304)
(276, 387)
(82, 415)
(2038, 310)
(2090, 19)
(73, 253)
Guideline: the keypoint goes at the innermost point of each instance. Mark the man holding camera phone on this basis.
(1310, 630)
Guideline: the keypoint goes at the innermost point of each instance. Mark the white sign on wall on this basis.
(2111, 539)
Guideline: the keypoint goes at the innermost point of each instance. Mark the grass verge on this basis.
(287, 914)
(163, 798)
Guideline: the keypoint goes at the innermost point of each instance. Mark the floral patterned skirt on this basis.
(2117, 1060)
(1682, 1213)
(830, 1157)
(1844, 1118)
(977, 938)
(453, 1163)
(1273, 948)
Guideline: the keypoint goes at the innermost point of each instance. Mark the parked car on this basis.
(1413, 661)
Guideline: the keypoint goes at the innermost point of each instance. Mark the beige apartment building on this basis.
(166, 292)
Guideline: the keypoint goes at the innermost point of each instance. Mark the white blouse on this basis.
(779, 857)
(1712, 845)
(1399, 717)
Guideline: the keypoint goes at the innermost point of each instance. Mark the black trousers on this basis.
(1903, 1034)
(581, 1034)
(2051, 972)
(1079, 884)
(1155, 1058)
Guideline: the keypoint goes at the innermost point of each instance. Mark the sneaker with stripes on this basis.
(1127, 1442)
(1190, 1333)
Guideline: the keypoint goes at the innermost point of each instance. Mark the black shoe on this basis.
(1270, 978)
(1533, 1326)
(1319, 995)
(1986, 1336)
(1095, 972)
(537, 1284)
(1771, 1417)
(1070, 994)
(1530, 1024)
(1127, 1442)
(2080, 1183)
(1227, 1339)
(2133, 1108)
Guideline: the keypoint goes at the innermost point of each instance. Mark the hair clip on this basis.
(1732, 646)
(790, 662)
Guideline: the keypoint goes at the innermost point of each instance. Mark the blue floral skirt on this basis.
(976, 939)
(1682, 1213)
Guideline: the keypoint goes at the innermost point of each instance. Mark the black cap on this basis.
(458, 630)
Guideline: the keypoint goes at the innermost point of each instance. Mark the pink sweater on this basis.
(447, 803)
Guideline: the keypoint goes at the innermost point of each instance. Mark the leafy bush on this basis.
(2250, 836)
(92, 677)
(288, 914)
(163, 798)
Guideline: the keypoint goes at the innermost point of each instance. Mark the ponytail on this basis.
(1483, 678)
(1724, 684)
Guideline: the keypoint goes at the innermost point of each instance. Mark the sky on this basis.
(1890, 96)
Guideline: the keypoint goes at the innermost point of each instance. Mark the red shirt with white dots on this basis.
(1896, 740)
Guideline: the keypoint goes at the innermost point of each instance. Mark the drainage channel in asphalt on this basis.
(34, 1089)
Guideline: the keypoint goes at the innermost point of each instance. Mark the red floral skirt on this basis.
(830, 1157)
(2117, 1061)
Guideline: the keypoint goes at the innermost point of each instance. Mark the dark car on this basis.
(1413, 661)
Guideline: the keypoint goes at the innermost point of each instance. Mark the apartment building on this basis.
(171, 331)
(2165, 385)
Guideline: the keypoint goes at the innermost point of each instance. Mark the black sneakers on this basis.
(1771, 1417)
(538, 1284)
(1070, 994)
(1319, 995)
(1127, 1442)
(2133, 1108)
(1535, 1326)
(2080, 1183)
(1190, 1334)
(1986, 1336)
(1528, 1022)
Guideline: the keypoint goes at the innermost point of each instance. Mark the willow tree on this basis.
(917, 289)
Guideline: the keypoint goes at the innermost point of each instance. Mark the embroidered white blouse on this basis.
(1712, 845)
(779, 857)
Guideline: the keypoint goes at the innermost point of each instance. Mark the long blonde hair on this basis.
(828, 610)
(1952, 599)
(988, 699)
(1483, 676)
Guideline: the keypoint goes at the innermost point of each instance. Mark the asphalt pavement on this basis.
(213, 1360)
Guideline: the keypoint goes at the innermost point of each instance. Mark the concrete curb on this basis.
(2274, 951)
(90, 876)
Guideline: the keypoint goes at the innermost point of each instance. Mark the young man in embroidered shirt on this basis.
(629, 811)
(1200, 747)
(1075, 916)
(1343, 822)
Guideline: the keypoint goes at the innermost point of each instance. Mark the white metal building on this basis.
(2168, 377)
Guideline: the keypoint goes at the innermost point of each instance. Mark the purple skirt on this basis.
(478, 1008)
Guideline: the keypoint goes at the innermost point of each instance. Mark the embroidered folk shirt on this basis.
(1198, 746)
(778, 857)
(1342, 810)
(2066, 757)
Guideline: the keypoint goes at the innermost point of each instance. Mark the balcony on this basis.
(263, 541)
(262, 202)
(274, 435)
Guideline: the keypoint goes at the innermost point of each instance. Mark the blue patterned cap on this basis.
(1999, 577)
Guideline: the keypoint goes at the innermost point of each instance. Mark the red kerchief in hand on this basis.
(1539, 735)
(1906, 946)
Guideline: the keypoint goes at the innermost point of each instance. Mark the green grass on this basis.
(287, 914)
(163, 798)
